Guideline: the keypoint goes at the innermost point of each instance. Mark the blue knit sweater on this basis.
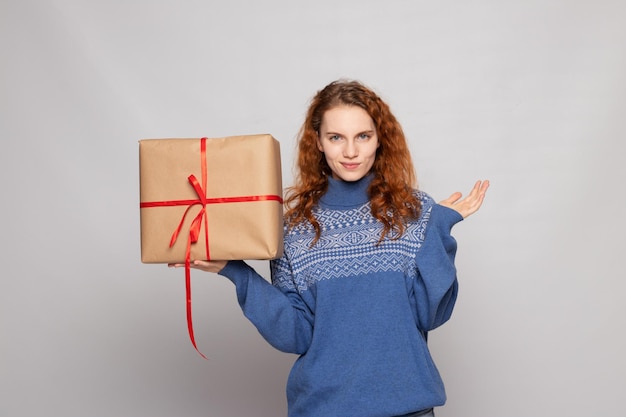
(357, 313)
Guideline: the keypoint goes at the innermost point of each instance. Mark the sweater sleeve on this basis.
(435, 289)
(280, 316)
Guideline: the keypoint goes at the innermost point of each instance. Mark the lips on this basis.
(350, 165)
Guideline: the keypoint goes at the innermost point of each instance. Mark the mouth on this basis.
(350, 165)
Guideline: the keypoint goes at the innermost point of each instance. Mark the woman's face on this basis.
(348, 139)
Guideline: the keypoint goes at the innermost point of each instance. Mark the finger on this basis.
(453, 198)
(476, 189)
(199, 264)
(484, 187)
(482, 190)
(479, 190)
(478, 201)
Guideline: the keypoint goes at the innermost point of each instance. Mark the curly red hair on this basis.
(391, 192)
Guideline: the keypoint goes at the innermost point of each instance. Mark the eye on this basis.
(365, 136)
(334, 138)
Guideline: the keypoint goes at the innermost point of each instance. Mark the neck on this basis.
(344, 194)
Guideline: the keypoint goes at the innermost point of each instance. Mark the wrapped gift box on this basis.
(226, 193)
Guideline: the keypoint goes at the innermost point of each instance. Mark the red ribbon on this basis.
(196, 224)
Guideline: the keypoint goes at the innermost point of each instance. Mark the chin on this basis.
(350, 177)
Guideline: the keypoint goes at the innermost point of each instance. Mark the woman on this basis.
(368, 266)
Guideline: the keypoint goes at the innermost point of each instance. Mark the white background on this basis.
(531, 95)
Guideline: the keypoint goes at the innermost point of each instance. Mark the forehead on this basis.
(346, 118)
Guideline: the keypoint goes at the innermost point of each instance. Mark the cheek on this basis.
(330, 152)
(373, 150)
(329, 157)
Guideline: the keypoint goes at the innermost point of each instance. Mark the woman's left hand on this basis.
(470, 204)
(206, 266)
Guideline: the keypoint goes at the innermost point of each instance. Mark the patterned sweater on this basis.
(357, 313)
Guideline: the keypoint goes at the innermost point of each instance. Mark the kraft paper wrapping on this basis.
(237, 168)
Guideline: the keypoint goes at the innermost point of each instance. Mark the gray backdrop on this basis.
(531, 95)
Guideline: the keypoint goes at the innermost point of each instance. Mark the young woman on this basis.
(368, 266)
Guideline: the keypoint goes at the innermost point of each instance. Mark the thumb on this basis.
(452, 199)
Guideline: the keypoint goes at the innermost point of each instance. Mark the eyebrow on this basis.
(331, 133)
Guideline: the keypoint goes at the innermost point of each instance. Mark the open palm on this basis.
(470, 204)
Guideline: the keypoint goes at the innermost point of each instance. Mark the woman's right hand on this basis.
(206, 266)
(470, 204)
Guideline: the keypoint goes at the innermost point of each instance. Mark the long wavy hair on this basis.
(391, 193)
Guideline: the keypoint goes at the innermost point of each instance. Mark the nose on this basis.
(350, 150)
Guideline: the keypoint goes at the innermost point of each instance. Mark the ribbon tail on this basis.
(180, 226)
(188, 297)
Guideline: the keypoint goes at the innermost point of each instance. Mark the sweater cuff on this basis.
(449, 216)
(234, 270)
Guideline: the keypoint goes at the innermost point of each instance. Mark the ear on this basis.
(319, 143)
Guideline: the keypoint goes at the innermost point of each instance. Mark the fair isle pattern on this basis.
(347, 247)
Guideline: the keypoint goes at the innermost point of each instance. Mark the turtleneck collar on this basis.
(344, 195)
